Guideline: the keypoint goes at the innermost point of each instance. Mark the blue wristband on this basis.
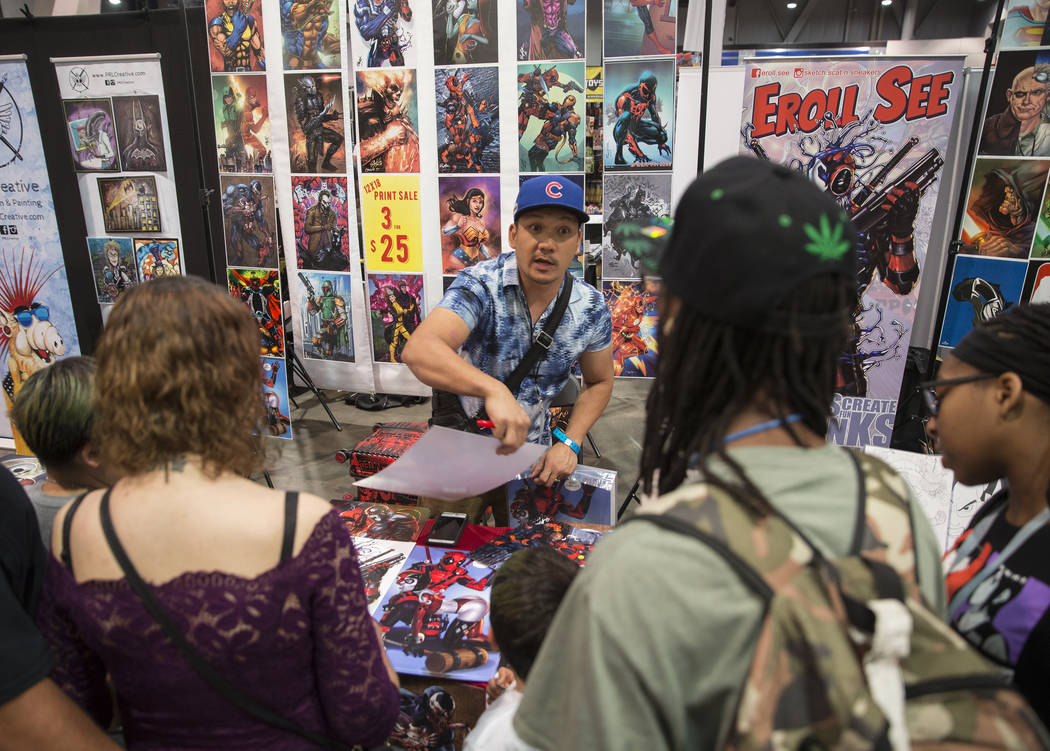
(557, 433)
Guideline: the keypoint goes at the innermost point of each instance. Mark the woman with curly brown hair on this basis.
(264, 585)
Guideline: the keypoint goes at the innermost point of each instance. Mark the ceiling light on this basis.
(887, 2)
(792, 6)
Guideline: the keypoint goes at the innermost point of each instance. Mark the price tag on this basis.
(390, 208)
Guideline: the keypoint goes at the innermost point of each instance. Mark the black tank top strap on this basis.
(67, 526)
(291, 513)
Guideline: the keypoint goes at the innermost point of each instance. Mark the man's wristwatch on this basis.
(559, 434)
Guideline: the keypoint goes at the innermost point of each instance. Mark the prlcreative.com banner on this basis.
(872, 132)
(36, 315)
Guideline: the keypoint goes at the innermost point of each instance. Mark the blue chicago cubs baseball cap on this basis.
(550, 190)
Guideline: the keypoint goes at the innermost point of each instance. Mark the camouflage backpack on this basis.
(816, 680)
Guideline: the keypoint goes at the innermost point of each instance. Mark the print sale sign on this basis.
(390, 210)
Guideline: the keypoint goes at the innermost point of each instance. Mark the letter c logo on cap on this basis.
(554, 189)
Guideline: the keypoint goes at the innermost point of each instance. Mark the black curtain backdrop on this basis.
(180, 39)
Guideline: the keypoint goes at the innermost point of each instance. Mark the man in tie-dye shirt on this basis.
(486, 322)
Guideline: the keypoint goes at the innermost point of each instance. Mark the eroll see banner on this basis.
(872, 132)
(34, 290)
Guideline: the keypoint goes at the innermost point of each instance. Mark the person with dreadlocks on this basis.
(655, 637)
(990, 408)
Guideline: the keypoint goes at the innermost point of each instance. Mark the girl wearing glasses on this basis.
(991, 413)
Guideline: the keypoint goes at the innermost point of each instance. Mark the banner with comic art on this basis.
(873, 133)
(34, 290)
(120, 148)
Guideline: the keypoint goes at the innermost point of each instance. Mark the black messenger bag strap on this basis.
(544, 338)
(233, 694)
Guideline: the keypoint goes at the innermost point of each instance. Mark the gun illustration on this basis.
(319, 119)
(374, 567)
(922, 173)
(753, 143)
(309, 287)
(570, 87)
(869, 188)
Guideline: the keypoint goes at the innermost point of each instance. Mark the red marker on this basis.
(486, 424)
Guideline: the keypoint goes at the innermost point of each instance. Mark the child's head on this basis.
(53, 412)
(526, 593)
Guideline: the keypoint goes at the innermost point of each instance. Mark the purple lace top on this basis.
(297, 638)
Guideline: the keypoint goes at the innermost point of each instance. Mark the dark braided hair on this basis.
(711, 371)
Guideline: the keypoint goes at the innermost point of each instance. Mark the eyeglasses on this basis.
(929, 389)
(1022, 93)
(24, 315)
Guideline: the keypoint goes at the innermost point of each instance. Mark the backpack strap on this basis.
(67, 526)
(291, 513)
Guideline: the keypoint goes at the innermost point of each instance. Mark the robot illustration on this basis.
(549, 38)
(389, 142)
(234, 34)
(251, 237)
(312, 113)
(533, 502)
(304, 24)
(261, 293)
(377, 21)
(470, 126)
(425, 721)
(638, 122)
(466, 223)
(534, 89)
(557, 131)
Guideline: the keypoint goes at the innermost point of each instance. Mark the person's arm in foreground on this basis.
(431, 355)
(43, 718)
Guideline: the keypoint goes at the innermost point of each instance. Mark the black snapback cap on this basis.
(746, 233)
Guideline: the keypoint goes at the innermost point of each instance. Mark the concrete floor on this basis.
(307, 462)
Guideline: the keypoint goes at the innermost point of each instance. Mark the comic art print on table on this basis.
(275, 397)
(129, 204)
(465, 32)
(113, 265)
(140, 132)
(387, 123)
(235, 35)
(467, 119)
(572, 541)
(314, 105)
(586, 497)
(550, 29)
(873, 133)
(260, 290)
(1037, 283)
(634, 326)
(324, 309)
(435, 620)
(249, 219)
(396, 304)
(382, 33)
(242, 123)
(639, 114)
(380, 561)
(381, 521)
(550, 117)
(633, 28)
(470, 217)
(1017, 126)
(391, 222)
(319, 208)
(310, 31)
(1003, 206)
(981, 288)
(157, 258)
(92, 135)
(419, 727)
(1024, 24)
(633, 203)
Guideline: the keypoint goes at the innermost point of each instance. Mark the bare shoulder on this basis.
(57, 542)
(312, 509)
